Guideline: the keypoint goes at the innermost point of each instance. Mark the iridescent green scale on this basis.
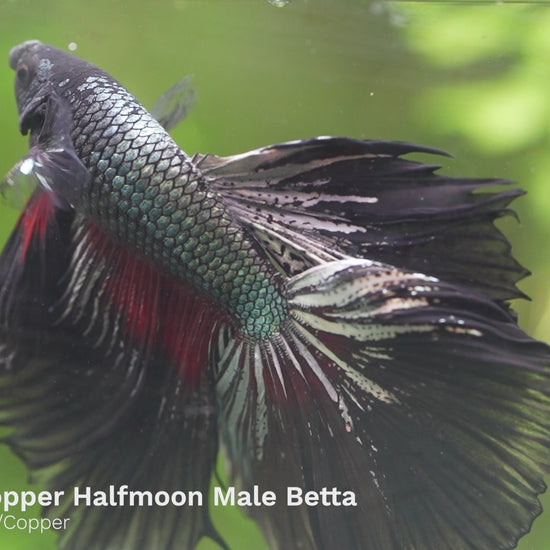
(148, 192)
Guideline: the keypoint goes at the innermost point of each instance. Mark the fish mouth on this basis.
(34, 115)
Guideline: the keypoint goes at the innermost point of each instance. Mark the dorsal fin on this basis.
(324, 199)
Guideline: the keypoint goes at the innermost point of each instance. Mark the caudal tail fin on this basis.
(417, 411)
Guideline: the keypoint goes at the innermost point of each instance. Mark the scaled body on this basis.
(337, 314)
(146, 191)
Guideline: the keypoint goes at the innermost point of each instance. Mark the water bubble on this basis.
(279, 3)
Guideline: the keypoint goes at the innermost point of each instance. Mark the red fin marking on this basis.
(187, 325)
(159, 312)
(131, 285)
(34, 220)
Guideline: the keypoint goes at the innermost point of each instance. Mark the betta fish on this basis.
(333, 315)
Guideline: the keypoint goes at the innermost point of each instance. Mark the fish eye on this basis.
(23, 74)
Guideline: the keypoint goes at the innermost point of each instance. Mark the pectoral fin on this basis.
(52, 162)
(173, 105)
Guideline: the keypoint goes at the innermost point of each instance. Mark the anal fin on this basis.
(108, 387)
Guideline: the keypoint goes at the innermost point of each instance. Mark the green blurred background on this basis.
(469, 77)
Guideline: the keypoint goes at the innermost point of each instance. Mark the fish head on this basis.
(39, 70)
(33, 71)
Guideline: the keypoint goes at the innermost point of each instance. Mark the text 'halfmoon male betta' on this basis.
(335, 315)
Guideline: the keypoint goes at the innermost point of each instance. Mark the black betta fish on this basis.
(336, 316)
